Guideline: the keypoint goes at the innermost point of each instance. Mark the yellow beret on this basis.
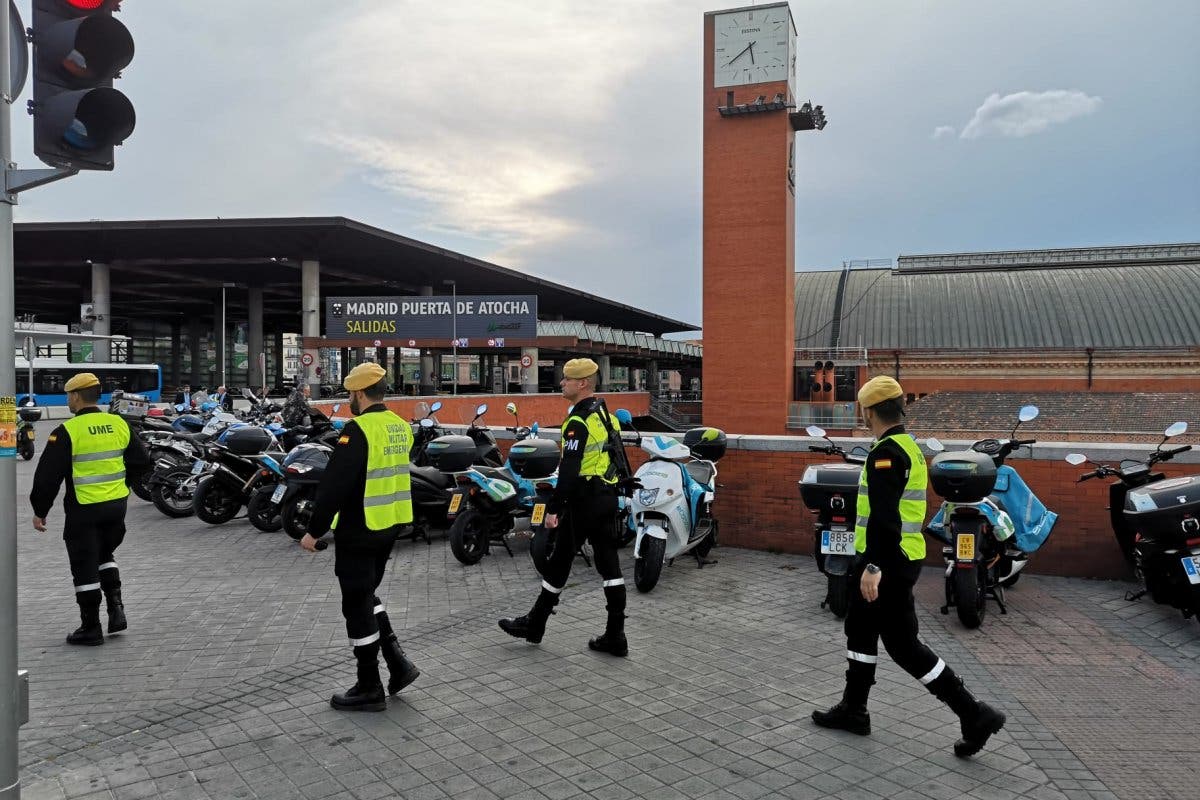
(364, 376)
(580, 368)
(878, 389)
(81, 381)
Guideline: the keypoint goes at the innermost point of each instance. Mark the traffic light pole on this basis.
(11, 687)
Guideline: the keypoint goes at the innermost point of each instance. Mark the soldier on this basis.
(97, 456)
(366, 499)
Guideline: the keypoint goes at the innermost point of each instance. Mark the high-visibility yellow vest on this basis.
(98, 443)
(596, 461)
(912, 502)
(387, 500)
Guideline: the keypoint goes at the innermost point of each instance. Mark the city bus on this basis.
(51, 374)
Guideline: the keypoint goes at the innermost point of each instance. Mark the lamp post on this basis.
(454, 323)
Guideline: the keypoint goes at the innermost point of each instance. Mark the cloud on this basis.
(1026, 113)
(943, 131)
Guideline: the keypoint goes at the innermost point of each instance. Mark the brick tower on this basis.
(749, 221)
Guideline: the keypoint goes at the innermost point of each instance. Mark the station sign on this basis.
(465, 317)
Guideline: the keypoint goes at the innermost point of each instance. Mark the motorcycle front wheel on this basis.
(296, 516)
(262, 513)
(970, 591)
(214, 502)
(25, 448)
(647, 567)
(173, 493)
(469, 537)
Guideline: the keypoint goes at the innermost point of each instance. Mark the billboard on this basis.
(474, 318)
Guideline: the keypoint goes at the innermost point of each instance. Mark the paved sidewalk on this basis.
(220, 688)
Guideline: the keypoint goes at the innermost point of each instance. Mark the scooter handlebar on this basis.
(1174, 451)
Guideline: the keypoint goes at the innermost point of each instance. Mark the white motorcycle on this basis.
(672, 506)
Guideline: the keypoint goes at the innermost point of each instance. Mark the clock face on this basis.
(751, 46)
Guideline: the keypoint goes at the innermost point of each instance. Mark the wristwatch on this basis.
(874, 570)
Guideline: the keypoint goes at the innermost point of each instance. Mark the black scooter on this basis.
(831, 492)
(1157, 523)
(26, 416)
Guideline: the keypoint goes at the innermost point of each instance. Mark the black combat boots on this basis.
(977, 720)
(612, 641)
(532, 626)
(851, 713)
(89, 632)
(401, 671)
(116, 611)
(367, 693)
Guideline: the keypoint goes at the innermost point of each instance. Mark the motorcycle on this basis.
(830, 491)
(672, 508)
(1157, 523)
(237, 465)
(425, 429)
(983, 546)
(499, 500)
(26, 416)
(488, 452)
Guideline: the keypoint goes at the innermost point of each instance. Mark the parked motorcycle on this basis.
(984, 548)
(237, 467)
(26, 416)
(830, 491)
(425, 429)
(1157, 523)
(672, 510)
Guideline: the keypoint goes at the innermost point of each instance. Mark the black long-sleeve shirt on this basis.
(574, 445)
(54, 468)
(344, 484)
(887, 475)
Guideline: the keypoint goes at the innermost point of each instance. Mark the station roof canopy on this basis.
(1132, 297)
(168, 268)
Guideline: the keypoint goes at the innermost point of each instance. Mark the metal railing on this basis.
(842, 356)
(826, 415)
(668, 407)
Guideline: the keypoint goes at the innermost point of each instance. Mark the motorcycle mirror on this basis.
(481, 409)
(624, 417)
(815, 431)
(1028, 413)
(511, 408)
(935, 444)
(1075, 459)
(436, 407)
(1178, 429)
(426, 423)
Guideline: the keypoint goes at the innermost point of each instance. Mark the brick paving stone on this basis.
(220, 688)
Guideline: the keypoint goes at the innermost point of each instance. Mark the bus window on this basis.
(49, 381)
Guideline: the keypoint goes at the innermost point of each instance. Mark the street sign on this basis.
(306, 359)
(526, 361)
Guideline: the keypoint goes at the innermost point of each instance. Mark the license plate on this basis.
(1191, 565)
(277, 495)
(197, 467)
(539, 514)
(837, 543)
(966, 547)
(455, 503)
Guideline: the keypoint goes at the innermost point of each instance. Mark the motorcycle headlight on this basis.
(646, 497)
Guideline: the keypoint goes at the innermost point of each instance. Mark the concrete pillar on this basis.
(427, 382)
(359, 355)
(529, 375)
(605, 363)
(652, 376)
(437, 373)
(102, 308)
(278, 358)
(310, 316)
(398, 376)
(194, 347)
(176, 353)
(217, 376)
(254, 337)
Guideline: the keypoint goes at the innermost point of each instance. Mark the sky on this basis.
(563, 138)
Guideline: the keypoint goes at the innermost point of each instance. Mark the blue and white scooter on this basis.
(672, 508)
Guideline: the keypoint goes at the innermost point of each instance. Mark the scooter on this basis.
(830, 491)
(982, 550)
(1157, 523)
(672, 509)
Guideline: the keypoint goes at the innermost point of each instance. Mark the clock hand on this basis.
(739, 55)
(751, 48)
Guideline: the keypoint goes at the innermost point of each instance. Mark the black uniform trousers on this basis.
(893, 618)
(360, 562)
(589, 516)
(92, 534)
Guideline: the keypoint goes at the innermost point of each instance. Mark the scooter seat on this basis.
(701, 471)
(433, 477)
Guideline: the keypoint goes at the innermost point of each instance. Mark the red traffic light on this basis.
(88, 5)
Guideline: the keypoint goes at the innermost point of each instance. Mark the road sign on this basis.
(306, 359)
(526, 361)
(412, 342)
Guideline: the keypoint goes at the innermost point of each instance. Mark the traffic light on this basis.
(78, 49)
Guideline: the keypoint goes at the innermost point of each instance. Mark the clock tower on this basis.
(750, 120)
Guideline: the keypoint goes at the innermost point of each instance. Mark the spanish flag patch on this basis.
(883, 463)
(344, 440)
